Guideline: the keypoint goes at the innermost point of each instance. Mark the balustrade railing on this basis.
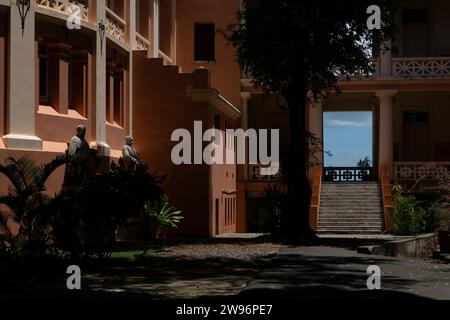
(348, 174)
(420, 170)
(65, 6)
(421, 67)
(115, 26)
(141, 42)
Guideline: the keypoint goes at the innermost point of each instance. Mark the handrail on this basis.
(142, 42)
(165, 57)
(316, 186)
(115, 16)
(385, 181)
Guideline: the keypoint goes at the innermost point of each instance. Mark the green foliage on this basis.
(85, 222)
(364, 163)
(412, 217)
(429, 219)
(289, 42)
(27, 205)
(161, 215)
(405, 211)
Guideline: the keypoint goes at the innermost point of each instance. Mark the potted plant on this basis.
(162, 217)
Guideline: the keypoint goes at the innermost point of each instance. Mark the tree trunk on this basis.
(299, 189)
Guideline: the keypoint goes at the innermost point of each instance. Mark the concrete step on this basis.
(332, 231)
(361, 224)
(355, 209)
(346, 203)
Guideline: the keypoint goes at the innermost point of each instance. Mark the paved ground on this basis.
(339, 273)
(330, 269)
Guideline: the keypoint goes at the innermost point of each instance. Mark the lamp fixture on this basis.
(24, 8)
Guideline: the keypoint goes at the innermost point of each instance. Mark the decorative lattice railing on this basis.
(420, 170)
(421, 67)
(348, 174)
(141, 42)
(65, 6)
(115, 26)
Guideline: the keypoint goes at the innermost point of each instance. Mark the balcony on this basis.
(64, 6)
(115, 26)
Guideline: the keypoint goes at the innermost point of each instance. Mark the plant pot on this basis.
(444, 241)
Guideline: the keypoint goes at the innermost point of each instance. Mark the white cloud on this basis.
(348, 119)
(347, 124)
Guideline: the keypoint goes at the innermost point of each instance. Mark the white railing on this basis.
(115, 25)
(420, 170)
(254, 173)
(141, 42)
(421, 67)
(167, 60)
(65, 6)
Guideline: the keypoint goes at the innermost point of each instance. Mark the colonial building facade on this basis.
(148, 67)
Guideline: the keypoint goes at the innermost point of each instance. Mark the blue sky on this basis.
(348, 136)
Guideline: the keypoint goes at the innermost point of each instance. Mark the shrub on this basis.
(161, 215)
(428, 219)
(86, 222)
(404, 215)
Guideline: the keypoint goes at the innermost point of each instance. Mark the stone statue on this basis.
(82, 160)
(130, 158)
(78, 144)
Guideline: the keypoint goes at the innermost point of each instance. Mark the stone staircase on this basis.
(351, 208)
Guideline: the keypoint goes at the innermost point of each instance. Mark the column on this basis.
(173, 35)
(155, 29)
(245, 96)
(99, 134)
(58, 73)
(386, 60)
(2, 75)
(130, 18)
(315, 120)
(22, 83)
(127, 80)
(386, 129)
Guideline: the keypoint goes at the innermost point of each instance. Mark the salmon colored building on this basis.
(148, 67)
(138, 67)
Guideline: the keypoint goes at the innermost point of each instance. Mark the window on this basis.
(204, 42)
(43, 73)
(410, 117)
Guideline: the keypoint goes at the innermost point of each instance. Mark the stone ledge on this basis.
(416, 246)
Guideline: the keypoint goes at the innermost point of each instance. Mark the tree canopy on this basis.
(289, 42)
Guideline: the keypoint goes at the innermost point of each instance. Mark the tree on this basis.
(299, 49)
(364, 163)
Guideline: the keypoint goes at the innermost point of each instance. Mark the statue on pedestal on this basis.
(82, 160)
(130, 158)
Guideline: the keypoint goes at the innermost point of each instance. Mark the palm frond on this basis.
(43, 172)
(12, 172)
(5, 230)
